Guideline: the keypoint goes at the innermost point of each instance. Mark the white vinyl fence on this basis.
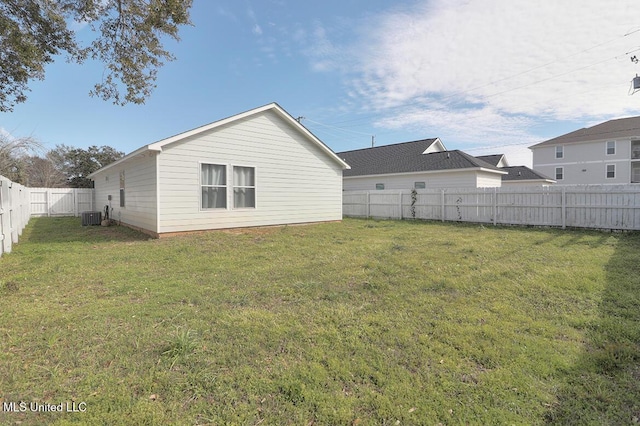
(582, 206)
(14, 212)
(60, 201)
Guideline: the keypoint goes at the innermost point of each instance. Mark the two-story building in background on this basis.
(608, 153)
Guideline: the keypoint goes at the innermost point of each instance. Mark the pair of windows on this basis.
(610, 148)
(416, 185)
(610, 173)
(214, 184)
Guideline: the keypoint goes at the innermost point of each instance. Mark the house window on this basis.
(611, 171)
(611, 147)
(213, 182)
(379, 185)
(419, 185)
(244, 187)
(559, 173)
(635, 150)
(635, 172)
(121, 188)
(559, 151)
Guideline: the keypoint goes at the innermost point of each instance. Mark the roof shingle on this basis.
(612, 129)
(408, 157)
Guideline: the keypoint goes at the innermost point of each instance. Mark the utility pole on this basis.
(373, 140)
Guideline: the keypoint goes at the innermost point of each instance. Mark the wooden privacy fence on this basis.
(582, 206)
(14, 212)
(60, 201)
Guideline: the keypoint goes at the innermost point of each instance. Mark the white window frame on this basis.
(422, 184)
(606, 147)
(379, 186)
(606, 171)
(233, 187)
(635, 165)
(635, 144)
(226, 186)
(559, 151)
(561, 173)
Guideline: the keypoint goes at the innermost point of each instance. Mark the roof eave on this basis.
(272, 106)
(157, 146)
(127, 157)
(500, 172)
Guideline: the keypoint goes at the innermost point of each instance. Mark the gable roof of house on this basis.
(612, 129)
(498, 160)
(409, 157)
(518, 173)
(159, 145)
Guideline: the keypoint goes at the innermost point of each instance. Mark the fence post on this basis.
(400, 204)
(368, 204)
(495, 205)
(564, 208)
(4, 217)
(442, 209)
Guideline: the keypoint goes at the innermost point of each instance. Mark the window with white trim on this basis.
(611, 147)
(559, 173)
(611, 171)
(560, 151)
(379, 185)
(419, 185)
(244, 187)
(213, 183)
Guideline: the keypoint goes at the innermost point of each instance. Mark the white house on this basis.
(606, 153)
(419, 164)
(257, 168)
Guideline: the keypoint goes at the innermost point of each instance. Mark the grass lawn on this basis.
(355, 323)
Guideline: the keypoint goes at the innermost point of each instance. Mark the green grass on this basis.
(359, 322)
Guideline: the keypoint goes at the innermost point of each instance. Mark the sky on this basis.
(485, 76)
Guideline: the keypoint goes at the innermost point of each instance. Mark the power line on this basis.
(455, 94)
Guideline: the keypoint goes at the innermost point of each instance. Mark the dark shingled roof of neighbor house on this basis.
(491, 159)
(612, 129)
(522, 173)
(407, 157)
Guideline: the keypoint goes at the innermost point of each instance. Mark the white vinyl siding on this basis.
(587, 162)
(444, 179)
(140, 187)
(297, 181)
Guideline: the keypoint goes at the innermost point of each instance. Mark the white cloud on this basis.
(485, 71)
(257, 30)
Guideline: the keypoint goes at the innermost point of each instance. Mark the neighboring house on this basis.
(606, 153)
(524, 176)
(498, 160)
(257, 168)
(419, 164)
(517, 175)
